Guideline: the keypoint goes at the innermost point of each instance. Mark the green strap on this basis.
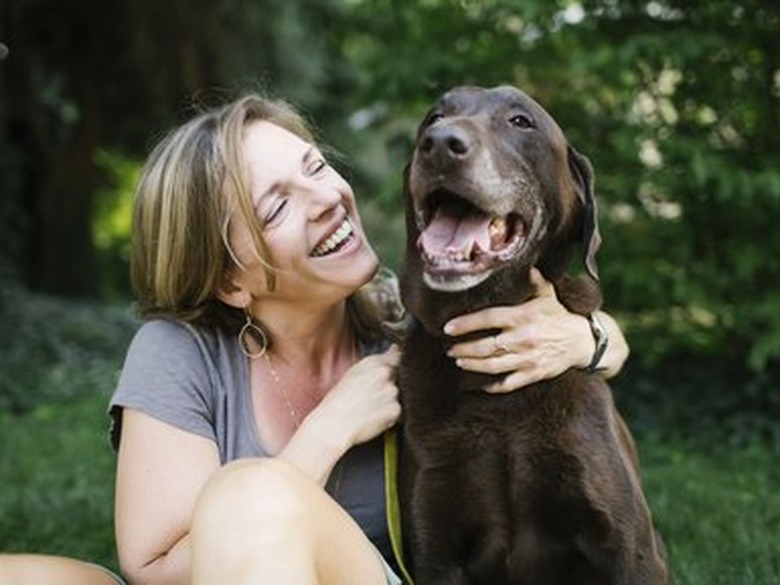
(391, 495)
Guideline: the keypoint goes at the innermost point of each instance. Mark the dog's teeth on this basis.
(497, 230)
(497, 226)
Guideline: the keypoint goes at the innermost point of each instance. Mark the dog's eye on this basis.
(521, 121)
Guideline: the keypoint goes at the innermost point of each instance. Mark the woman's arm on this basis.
(160, 472)
(539, 340)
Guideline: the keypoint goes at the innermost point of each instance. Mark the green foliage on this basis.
(678, 107)
(111, 221)
(52, 351)
(677, 104)
(709, 112)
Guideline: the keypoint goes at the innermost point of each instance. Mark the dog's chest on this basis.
(447, 416)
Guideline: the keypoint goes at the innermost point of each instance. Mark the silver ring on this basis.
(498, 347)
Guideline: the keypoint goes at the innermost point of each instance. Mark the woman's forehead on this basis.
(265, 140)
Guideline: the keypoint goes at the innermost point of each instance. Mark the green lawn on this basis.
(57, 470)
(717, 505)
(718, 508)
(58, 364)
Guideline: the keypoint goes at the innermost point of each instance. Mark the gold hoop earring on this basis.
(249, 328)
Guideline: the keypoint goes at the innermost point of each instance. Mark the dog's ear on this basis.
(411, 224)
(582, 175)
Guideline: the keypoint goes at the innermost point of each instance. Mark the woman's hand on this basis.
(364, 403)
(538, 340)
(360, 406)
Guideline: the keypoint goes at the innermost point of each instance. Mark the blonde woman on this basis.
(251, 405)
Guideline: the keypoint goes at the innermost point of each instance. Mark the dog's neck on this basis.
(434, 308)
(512, 286)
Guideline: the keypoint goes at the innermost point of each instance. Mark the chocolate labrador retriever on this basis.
(538, 486)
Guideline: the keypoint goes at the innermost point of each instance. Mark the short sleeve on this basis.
(166, 375)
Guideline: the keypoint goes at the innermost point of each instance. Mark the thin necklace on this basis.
(280, 389)
(338, 469)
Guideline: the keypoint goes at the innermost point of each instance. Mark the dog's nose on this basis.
(443, 143)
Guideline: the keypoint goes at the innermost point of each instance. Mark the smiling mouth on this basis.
(336, 241)
(461, 244)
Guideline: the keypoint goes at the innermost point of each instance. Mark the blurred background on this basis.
(676, 103)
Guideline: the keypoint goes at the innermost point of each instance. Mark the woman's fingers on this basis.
(505, 317)
(488, 346)
(492, 318)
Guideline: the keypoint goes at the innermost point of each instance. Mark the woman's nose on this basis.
(322, 200)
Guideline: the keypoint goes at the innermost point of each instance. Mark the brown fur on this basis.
(538, 486)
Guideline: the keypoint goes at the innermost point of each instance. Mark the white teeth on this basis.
(341, 234)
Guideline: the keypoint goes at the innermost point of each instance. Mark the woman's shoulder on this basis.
(170, 335)
(189, 351)
(169, 373)
(163, 329)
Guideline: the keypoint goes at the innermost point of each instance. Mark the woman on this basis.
(261, 374)
(37, 569)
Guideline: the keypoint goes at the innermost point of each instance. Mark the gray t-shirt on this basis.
(197, 380)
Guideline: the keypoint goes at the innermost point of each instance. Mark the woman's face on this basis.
(308, 217)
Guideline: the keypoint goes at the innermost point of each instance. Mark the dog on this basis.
(537, 486)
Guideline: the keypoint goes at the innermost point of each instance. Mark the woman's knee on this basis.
(265, 517)
(255, 493)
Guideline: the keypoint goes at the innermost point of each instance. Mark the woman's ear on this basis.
(232, 292)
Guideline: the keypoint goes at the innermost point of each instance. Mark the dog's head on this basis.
(493, 184)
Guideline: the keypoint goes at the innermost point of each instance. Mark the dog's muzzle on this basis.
(461, 245)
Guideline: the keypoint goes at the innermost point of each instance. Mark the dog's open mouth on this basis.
(462, 244)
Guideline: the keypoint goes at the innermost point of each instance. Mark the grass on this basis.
(57, 371)
(718, 508)
(717, 505)
(58, 481)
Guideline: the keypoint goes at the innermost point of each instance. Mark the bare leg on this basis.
(261, 521)
(35, 569)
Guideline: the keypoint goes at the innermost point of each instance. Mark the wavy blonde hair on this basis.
(190, 188)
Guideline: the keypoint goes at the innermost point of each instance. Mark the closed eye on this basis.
(275, 211)
(318, 166)
(314, 162)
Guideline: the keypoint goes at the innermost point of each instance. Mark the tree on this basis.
(84, 77)
(675, 103)
(678, 106)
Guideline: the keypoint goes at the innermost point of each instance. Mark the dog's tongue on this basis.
(451, 233)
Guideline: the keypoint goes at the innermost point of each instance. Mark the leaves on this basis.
(677, 105)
